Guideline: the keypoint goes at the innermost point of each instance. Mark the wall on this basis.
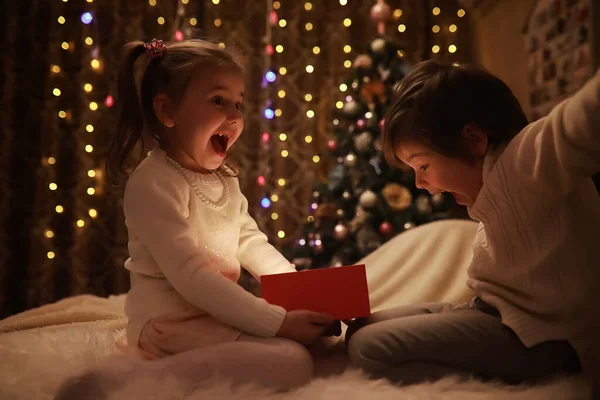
(498, 44)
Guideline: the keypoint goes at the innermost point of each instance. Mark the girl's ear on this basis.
(475, 139)
(164, 110)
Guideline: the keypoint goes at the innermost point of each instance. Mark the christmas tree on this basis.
(364, 202)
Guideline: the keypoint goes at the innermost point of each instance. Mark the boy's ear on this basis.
(475, 139)
(164, 110)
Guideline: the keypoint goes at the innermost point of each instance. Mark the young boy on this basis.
(535, 271)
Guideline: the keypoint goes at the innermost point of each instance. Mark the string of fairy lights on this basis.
(50, 161)
(346, 22)
(272, 110)
(339, 104)
(92, 69)
(443, 43)
(65, 110)
(96, 66)
(264, 167)
(182, 25)
(269, 111)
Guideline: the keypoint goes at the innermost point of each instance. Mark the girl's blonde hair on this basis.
(170, 73)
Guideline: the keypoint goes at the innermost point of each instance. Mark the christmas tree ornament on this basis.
(363, 61)
(409, 225)
(423, 205)
(353, 109)
(368, 240)
(273, 18)
(359, 211)
(437, 200)
(350, 160)
(340, 232)
(368, 199)
(337, 261)
(332, 145)
(360, 217)
(319, 248)
(381, 12)
(376, 164)
(386, 228)
(363, 66)
(386, 74)
(340, 213)
(338, 178)
(363, 141)
(398, 197)
(378, 46)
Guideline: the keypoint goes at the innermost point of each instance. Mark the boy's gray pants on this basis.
(416, 343)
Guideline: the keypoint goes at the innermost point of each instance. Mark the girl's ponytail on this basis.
(130, 123)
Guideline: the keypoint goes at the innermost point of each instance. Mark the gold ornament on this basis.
(397, 196)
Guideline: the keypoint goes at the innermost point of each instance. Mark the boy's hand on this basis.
(304, 326)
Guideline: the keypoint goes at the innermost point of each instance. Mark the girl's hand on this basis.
(334, 329)
(304, 326)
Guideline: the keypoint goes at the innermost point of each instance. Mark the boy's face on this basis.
(438, 173)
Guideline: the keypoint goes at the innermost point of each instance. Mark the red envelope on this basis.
(341, 292)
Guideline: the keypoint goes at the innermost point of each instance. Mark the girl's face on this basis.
(438, 173)
(208, 120)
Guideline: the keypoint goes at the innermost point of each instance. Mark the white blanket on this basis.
(427, 263)
(40, 347)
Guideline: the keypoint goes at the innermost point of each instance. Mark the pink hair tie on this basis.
(156, 48)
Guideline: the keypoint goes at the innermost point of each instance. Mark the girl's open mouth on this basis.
(219, 142)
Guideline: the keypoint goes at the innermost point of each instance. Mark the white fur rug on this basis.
(352, 385)
(40, 348)
(33, 362)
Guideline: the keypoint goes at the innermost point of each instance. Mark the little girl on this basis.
(535, 272)
(189, 227)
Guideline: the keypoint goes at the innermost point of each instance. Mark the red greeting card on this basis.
(341, 292)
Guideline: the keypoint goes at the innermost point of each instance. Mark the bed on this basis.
(40, 347)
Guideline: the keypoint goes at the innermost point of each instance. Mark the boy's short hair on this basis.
(434, 101)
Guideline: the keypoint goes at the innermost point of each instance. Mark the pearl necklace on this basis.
(222, 202)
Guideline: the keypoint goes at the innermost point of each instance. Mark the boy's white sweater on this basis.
(537, 250)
